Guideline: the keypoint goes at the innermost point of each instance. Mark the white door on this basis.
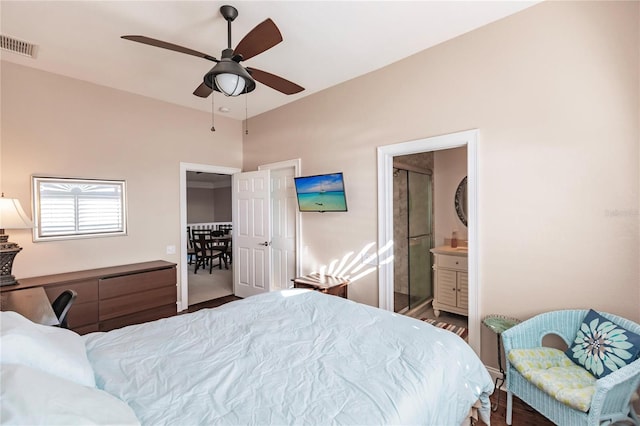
(284, 207)
(251, 233)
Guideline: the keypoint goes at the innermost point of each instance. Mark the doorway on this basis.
(413, 232)
(209, 214)
(183, 303)
(386, 155)
(287, 244)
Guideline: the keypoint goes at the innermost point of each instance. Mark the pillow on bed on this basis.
(33, 397)
(54, 350)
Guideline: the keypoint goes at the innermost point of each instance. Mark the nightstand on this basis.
(328, 284)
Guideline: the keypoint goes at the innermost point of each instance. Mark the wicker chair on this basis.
(613, 393)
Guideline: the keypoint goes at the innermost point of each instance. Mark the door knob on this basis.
(266, 243)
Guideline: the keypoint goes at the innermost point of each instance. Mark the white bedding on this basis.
(290, 357)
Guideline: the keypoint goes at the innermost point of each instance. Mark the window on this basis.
(78, 208)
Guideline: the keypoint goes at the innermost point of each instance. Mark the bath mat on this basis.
(460, 331)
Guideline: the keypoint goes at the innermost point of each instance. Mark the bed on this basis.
(286, 357)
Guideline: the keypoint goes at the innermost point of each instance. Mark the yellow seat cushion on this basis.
(554, 373)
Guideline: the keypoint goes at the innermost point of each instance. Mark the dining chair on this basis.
(221, 242)
(191, 252)
(205, 253)
(195, 233)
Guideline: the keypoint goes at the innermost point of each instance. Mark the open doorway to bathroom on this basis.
(467, 139)
(429, 277)
(437, 276)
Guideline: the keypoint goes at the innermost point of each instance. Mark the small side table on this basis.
(328, 284)
(499, 324)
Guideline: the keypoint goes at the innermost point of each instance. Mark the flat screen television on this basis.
(321, 193)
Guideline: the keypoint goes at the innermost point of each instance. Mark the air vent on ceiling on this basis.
(18, 46)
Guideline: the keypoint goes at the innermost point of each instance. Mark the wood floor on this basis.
(212, 303)
(523, 415)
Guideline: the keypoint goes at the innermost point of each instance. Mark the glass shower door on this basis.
(413, 238)
(420, 197)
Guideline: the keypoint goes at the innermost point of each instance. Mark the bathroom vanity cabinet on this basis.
(451, 280)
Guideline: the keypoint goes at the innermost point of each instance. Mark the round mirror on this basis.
(461, 201)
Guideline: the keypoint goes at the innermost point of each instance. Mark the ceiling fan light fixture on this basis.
(230, 84)
(230, 78)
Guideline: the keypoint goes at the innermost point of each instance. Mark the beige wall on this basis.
(57, 126)
(200, 205)
(208, 205)
(222, 202)
(554, 93)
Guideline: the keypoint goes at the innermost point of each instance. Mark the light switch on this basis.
(171, 249)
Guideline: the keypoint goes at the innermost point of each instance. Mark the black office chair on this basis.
(62, 304)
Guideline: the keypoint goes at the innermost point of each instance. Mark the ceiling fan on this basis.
(228, 76)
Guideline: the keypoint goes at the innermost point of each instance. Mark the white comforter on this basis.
(290, 357)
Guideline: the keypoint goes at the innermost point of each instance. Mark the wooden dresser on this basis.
(112, 297)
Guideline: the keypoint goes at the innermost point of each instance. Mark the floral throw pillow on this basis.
(602, 346)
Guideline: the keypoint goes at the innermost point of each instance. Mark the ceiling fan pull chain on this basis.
(213, 128)
(246, 117)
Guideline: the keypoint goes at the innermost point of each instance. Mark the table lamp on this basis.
(11, 217)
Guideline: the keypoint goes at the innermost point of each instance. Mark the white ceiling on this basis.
(325, 43)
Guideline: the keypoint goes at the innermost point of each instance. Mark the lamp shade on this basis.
(12, 216)
(230, 84)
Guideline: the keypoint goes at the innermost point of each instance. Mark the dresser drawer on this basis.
(87, 329)
(135, 283)
(87, 290)
(135, 302)
(453, 262)
(84, 310)
(82, 314)
(139, 317)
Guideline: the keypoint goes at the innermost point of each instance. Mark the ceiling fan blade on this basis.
(264, 36)
(170, 46)
(203, 90)
(275, 82)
